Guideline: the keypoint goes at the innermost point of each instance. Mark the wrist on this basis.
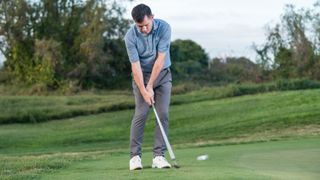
(144, 91)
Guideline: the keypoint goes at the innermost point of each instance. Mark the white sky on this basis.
(221, 27)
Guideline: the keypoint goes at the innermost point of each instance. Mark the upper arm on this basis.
(165, 39)
(131, 48)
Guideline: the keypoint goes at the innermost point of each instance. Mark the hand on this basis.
(148, 96)
(150, 90)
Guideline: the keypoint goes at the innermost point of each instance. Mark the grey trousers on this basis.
(162, 93)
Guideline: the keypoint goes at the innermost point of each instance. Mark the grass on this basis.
(210, 120)
(15, 109)
(28, 151)
(293, 159)
(32, 109)
(286, 159)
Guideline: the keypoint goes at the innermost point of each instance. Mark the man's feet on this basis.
(160, 162)
(135, 163)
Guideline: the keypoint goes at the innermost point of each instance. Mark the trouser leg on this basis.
(162, 102)
(138, 123)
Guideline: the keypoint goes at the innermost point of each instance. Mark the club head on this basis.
(175, 165)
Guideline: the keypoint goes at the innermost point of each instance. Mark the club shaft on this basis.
(165, 138)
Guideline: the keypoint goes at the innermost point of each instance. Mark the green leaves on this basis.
(61, 40)
(188, 58)
(292, 47)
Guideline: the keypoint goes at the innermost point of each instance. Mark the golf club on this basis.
(165, 138)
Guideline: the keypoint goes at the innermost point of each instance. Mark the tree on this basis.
(233, 69)
(290, 51)
(75, 40)
(302, 51)
(16, 45)
(188, 58)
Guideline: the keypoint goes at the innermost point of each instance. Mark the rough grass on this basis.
(22, 109)
(30, 166)
(32, 109)
(207, 120)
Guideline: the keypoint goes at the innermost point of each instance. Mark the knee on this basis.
(140, 113)
(163, 115)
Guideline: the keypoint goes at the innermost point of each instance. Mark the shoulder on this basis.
(162, 24)
(131, 34)
(163, 27)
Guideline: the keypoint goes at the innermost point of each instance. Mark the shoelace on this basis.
(136, 159)
(161, 159)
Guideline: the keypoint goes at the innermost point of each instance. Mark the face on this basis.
(146, 25)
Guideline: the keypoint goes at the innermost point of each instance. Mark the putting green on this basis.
(289, 159)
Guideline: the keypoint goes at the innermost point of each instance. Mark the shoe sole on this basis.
(156, 167)
(138, 168)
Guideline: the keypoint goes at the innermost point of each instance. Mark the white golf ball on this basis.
(202, 157)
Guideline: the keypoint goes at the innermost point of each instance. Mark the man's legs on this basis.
(138, 122)
(162, 102)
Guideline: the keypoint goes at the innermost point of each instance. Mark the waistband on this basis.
(165, 69)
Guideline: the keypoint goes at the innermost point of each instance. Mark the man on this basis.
(148, 46)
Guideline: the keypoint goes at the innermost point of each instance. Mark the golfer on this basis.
(148, 46)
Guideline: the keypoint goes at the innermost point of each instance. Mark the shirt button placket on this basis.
(147, 42)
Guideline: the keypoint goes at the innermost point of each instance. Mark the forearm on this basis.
(138, 77)
(157, 67)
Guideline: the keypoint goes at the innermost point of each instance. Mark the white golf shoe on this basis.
(160, 162)
(135, 163)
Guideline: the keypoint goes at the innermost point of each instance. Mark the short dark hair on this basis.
(139, 11)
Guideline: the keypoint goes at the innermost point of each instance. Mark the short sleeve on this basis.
(131, 48)
(165, 39)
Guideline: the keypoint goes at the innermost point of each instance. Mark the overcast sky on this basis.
(221, 27)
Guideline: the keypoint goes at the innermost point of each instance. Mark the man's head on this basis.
(143, 18)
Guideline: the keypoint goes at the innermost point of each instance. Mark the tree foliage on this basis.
(233, 70)
(55, 41)
(188, 59)
(292, 46)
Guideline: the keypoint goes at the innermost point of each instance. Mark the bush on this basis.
(4, 76)
(297, 84)
(184, 88)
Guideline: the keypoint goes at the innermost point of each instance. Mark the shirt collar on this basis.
(155, 25)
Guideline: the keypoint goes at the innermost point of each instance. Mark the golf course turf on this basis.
(286, 159)
(264, 136)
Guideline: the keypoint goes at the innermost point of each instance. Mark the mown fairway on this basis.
(294, 159)
(97, 145)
